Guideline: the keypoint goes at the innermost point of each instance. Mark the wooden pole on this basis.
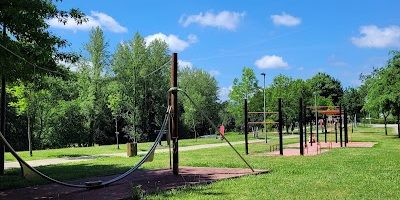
(280, 126)
(301, 126)
(246, 130)
(174, 114)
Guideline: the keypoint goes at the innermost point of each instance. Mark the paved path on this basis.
(394, 126)
(52, 161)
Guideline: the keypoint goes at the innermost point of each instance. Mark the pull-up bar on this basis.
(263, 112)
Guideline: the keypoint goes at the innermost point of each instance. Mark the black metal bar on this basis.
(336, 131)
(3, 110)
(301, 126)
(346, 133)
(325, 120)
(305, 125)
(246, 128)
(174, 114)
(280, 126)
(311, 125)
(340, 126)
(316, 123)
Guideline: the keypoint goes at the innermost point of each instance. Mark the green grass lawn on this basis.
(347, 173)
(108, 149)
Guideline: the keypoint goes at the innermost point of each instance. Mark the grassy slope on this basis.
(351, 173)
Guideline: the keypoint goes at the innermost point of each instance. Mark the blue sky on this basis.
(296, 38)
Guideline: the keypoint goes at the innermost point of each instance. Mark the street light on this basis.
(265, 131)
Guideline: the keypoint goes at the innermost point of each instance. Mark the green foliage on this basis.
(202, 88)
(326, 86)
(242, 89)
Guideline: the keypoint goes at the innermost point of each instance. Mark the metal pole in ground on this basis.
(335, 130)
(280, 126)
(325, 120)
(246, 144)
(311, 125)
(305, 125)
(3, 110)
(340, 126)
(174, 114)
(265, 126)
(346, 133)
(301, 126)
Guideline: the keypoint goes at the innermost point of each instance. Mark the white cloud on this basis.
(285, 20)
(223, 93)
(173, 41)
(271, 62)
(214, 73)
(94, 20)
(224, 19)
(375, 37)
(185, 64)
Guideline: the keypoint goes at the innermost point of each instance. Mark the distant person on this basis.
(222, 130)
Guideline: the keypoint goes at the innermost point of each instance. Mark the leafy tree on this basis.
(326, 86)
(242, 89)
(353, 101)
(203, 89)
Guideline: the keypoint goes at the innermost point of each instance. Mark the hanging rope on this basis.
(211, 123)
(23, 59)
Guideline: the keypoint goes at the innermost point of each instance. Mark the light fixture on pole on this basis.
(265, 129)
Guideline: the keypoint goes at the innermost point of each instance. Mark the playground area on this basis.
(150, 181)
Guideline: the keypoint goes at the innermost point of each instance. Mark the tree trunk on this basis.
(384, 118)
(398, 123)
(29, 136)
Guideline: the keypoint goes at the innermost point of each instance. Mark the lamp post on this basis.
(265, 131)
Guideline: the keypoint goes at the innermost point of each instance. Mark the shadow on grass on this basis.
(68, 172)
(195, 190)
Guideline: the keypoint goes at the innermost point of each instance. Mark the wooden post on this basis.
(174, 114)
(280, 126)
(336, 131)
(301, 126)
(246, 130)
(340, 126)
(316, 123)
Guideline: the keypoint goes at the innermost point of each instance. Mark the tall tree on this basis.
(24, 33)
(326, 86)
(243, 88)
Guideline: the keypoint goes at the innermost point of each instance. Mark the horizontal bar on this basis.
(263, 122)
(263, 112)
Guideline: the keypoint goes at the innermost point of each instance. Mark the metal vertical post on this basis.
(3, 110)
(325, 120)
(265, 126)
(246, 130)
(301, 126)
(174, 114)
(305, 125)
(340, 126)
(311, 125)
(280, 126)
(346, 135)
(336, 131)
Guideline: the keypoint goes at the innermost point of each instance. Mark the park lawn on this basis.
(109, 149)
(348, 173)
